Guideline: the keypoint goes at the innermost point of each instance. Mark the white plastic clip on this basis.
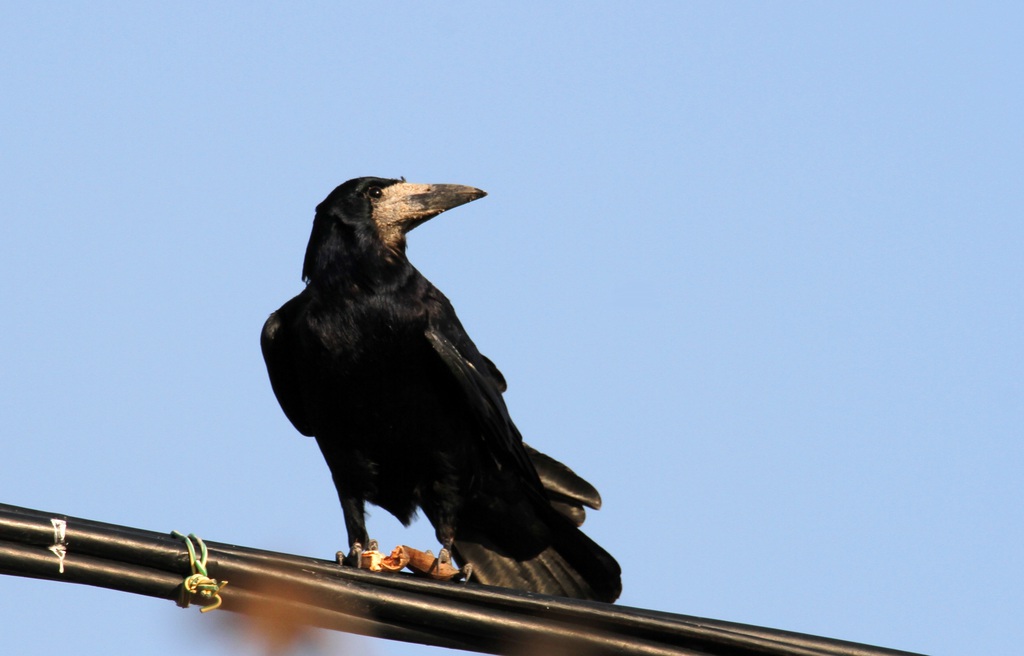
(59, 548)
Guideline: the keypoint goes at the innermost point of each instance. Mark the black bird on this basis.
(371, 360)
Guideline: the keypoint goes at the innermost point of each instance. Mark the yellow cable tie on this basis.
(199, 582)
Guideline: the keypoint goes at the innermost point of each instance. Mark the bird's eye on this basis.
(374, 192)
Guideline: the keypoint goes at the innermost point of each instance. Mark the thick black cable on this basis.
(30, 561)
(321, 593)
(403, 615)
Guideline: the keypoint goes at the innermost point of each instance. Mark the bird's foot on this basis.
(424, 563)
(444, 560)
(444, 566)
(357, 555)
(351, 559)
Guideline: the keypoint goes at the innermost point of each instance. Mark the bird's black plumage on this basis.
(371, 360)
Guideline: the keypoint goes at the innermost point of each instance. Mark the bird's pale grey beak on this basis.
(405, 205)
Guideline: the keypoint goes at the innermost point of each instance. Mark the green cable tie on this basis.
(199, 582)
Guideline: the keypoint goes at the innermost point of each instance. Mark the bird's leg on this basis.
(443, 517)
(445, 532)
(355, 524)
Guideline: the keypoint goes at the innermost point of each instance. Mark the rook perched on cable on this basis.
(371, 360)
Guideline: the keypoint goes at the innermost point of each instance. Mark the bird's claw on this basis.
(351, 558)
(357, 554)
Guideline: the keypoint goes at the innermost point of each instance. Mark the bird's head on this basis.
(366, 214)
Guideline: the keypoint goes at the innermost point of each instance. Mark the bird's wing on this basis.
(496, 376)
(482, 385)
(278, 353)
(562, 483)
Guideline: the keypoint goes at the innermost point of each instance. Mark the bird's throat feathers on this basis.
(340, 255)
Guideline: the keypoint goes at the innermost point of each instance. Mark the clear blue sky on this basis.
(755, 271)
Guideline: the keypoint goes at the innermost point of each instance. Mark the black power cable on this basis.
(394, 606)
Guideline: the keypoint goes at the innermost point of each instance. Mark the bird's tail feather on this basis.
(573, 565)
